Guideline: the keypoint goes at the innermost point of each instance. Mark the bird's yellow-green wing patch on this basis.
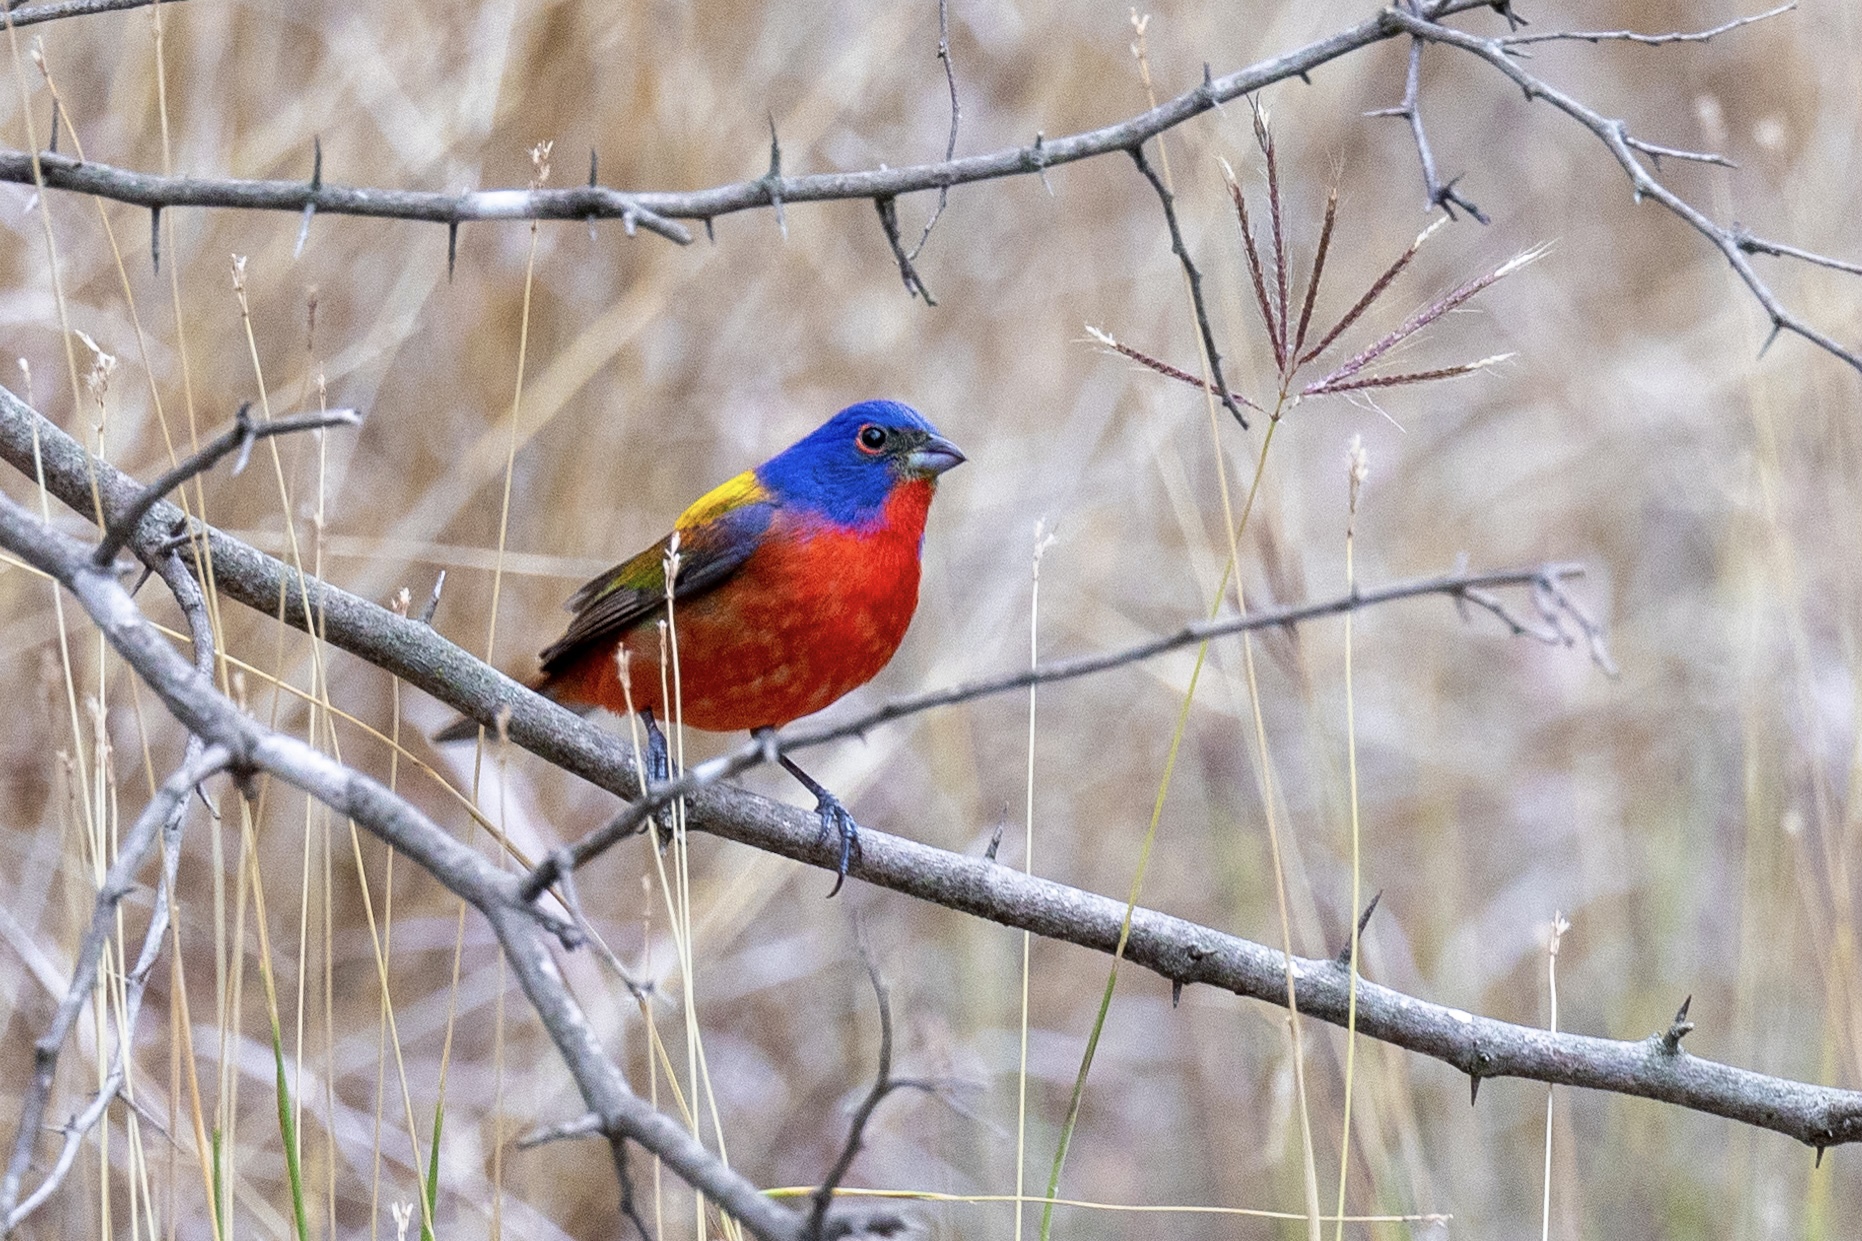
(716, 535)
(727, 497)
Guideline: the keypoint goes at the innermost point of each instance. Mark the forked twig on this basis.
(1440, 193)
(884, 1084)
(240, 437)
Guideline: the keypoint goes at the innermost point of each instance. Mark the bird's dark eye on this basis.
(872, 438)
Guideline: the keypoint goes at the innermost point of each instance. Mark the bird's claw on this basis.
(835, 820)
(659, 771)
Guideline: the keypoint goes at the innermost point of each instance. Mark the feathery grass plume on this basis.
(1318, 269)
(1253, 252)
(1461, 295)
(1264, 138)
(1371, 294)
(1113, 345)
(1288, 341)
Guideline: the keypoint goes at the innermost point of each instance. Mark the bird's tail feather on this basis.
(465, 728)
(462, 729)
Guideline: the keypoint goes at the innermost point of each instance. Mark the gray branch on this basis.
(239, 438)
(1180, 951)
(34, 14)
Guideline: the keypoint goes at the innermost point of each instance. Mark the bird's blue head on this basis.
(847, 468)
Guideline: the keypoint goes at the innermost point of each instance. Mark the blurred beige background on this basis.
(1695, 820)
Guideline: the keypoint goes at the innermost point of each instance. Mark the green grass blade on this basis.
(287, 1126)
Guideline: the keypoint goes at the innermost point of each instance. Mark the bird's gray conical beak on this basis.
(933, 457)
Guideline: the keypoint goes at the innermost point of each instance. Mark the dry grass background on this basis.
(1696, 820)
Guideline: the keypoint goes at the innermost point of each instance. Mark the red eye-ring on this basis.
(872, 439)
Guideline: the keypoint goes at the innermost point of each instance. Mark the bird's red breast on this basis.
(817, 610)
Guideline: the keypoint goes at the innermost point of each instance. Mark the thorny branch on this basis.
(658, 211)
(1732, 241)
(1440, 193)
(1177, 950)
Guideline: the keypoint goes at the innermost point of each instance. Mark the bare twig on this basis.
(587, 1125)
(1646, 40)
(1746, 241)
(889, 223)
(1658, 153)
(1195, 277)
(1614, 136)
(239, 438)
(884, 1084)
(956, 117)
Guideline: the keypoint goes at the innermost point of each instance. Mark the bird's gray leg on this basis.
(834, 819)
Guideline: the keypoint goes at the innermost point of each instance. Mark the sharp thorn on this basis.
(433, 601)
(316, 163)
(1777, 326)
(1364, 920)
(452, 249)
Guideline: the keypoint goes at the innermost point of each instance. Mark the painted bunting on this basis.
(794, 584)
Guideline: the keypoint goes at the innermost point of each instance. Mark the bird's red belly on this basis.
(805, 620)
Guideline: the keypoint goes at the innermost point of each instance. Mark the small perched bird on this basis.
(794, 584)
